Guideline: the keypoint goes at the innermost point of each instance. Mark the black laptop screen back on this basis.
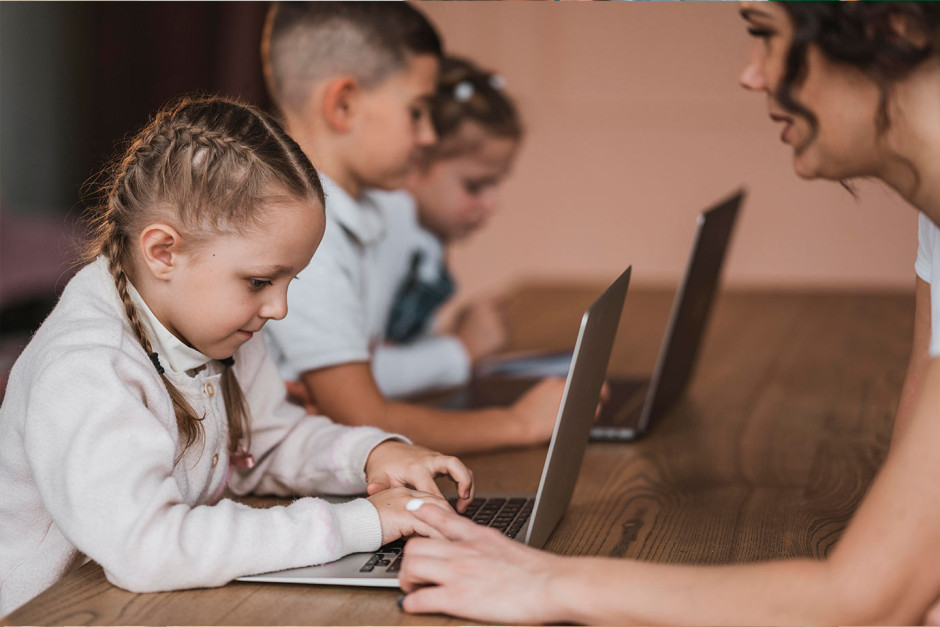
(693, 306)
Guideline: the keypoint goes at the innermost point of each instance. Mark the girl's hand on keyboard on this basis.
(392, 464)
(475, 572)
(396, 520)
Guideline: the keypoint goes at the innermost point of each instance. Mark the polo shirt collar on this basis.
(173, 354)
(362, 217)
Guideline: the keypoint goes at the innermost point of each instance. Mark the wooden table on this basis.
(786, 421)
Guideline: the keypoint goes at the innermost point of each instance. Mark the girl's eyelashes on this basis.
(418, 113)
(258, 284)
(473, 188)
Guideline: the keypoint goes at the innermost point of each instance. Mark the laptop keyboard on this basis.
(507, 515)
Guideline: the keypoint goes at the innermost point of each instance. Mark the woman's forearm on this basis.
(606, 591)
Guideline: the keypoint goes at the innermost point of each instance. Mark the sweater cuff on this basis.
(364, 447)
(359, 527)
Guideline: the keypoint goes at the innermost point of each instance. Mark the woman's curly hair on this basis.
(864, 35)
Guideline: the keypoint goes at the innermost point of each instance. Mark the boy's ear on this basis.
(340, 99)
(160, 249)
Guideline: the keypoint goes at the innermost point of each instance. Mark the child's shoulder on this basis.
(397, 200)
(88, 318)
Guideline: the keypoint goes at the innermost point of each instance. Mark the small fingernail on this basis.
(401, 602)
(413, 504)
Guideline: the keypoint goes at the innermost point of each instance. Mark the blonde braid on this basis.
(205, 166)
(187, 422)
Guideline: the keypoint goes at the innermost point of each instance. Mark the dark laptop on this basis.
(635, 403)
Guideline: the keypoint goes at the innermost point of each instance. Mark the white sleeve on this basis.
(103, 463)
(431, 362)
(326, 318)
(926, 233)
(927, 266)
(296, 453)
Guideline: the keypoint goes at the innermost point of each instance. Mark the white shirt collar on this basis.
(362, 218)
(173, 354)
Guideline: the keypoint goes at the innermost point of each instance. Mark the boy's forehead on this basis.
(418, 75)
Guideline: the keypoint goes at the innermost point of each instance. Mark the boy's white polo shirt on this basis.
(338, 306)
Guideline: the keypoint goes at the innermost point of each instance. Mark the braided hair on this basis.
(203, 165)
(468, 93)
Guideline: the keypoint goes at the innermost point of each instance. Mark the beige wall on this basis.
(636, 122)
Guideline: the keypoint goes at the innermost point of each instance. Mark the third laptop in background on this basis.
(635, 403)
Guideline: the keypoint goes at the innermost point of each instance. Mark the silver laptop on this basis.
(530, 519)
(634, 404)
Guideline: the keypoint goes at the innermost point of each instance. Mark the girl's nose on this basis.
(490, 200)
(426, 134)
(275, 308)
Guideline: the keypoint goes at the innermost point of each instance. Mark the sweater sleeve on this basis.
(101, 444)
(296, 453)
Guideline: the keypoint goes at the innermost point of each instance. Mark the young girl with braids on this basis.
(148, 391)
(455, 187)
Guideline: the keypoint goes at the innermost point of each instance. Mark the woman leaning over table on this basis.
(856, 86)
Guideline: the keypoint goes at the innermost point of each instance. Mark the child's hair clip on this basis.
(497, 82)
(463, 91)
(156, 363)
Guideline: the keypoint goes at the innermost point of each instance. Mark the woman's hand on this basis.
(475, 572)
(392, 464)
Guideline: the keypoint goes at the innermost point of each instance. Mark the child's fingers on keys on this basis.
(462, 476)
(428, 486)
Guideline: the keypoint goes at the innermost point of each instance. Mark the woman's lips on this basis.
(788, 124)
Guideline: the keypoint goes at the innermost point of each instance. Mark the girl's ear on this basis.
(160, 249)
(340, 100)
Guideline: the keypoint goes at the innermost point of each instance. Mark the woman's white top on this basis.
(927, 267)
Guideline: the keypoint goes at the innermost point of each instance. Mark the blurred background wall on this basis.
(635, 123)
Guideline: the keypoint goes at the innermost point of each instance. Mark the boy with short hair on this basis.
(353, 82)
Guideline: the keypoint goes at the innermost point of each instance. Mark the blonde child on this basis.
(353, 82)
(148, 390)
(456, 190)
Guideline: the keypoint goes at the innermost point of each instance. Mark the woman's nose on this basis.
(752, 76)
